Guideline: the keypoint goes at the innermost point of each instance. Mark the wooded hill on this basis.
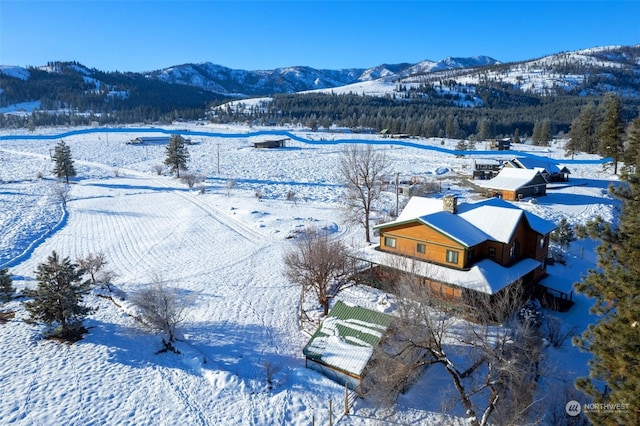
(475, 102)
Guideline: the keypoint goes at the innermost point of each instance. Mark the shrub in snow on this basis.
(531, 313)
(161, 309)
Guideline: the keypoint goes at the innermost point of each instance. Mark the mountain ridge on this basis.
(187, 91)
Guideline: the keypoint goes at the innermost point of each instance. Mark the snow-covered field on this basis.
(223, 249)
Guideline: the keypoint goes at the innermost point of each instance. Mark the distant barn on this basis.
(271, 143)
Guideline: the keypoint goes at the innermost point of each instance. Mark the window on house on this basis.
(421, 248)
(492, 252)
(514, 251)
(452, 256)
(390, 242)
(536, 189)
(542, 242)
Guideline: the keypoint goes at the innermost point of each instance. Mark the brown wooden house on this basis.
(472, 247)
(514, 184)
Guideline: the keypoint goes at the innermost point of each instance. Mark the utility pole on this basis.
(397, 194)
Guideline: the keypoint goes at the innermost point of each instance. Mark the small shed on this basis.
(344, 342)
(271, 143)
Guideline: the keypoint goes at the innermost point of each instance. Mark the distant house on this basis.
(462, 251)
(486, 169)
(549, 170)
(271, 143)
(513, 184)
(385, 133)
(343, 344)
(500, 144)
(149, 139)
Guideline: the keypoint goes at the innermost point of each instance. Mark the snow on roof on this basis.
(538, 224)
(509, 179)
(347, 337)
(420, 206)
(497, 222)
(485, 276)
(536, 163)
(455, 227)
(490, 219)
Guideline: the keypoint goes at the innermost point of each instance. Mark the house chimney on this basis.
(450, 204)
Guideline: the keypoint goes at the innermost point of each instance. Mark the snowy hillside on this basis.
(223, 250)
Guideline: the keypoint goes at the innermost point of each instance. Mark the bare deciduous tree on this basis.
(498, 375)
(161, 309)
(320, 265)
(92, 264)
(362, 168)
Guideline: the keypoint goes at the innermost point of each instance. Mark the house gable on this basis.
(423, 238)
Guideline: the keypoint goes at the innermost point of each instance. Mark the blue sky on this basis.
(143, 35)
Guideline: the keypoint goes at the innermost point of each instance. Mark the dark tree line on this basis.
(418, 117)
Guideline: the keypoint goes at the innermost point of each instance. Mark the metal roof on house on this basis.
(485, 276)
(535, 163)
(491, 219)
(510, 179)
(455, 227)
(347, 337)
(498, 222)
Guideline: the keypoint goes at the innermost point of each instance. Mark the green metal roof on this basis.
(347, 336)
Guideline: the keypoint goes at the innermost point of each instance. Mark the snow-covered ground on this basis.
(223, 250)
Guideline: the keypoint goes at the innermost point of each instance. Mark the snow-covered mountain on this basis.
(460, 81)
(225, 80)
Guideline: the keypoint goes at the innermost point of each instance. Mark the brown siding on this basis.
(509, 195)
(443, 291)
(408, 236)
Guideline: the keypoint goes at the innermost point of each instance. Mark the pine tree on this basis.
(177, 154)
(63, 161)
(516, 136)
(6, 286)
(564, 234)
(632, 150)
(611, 130)
(57, 300)
(614, 340)
(583, 130)
(541, 132)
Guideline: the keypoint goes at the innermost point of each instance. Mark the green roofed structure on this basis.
(344, 342)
